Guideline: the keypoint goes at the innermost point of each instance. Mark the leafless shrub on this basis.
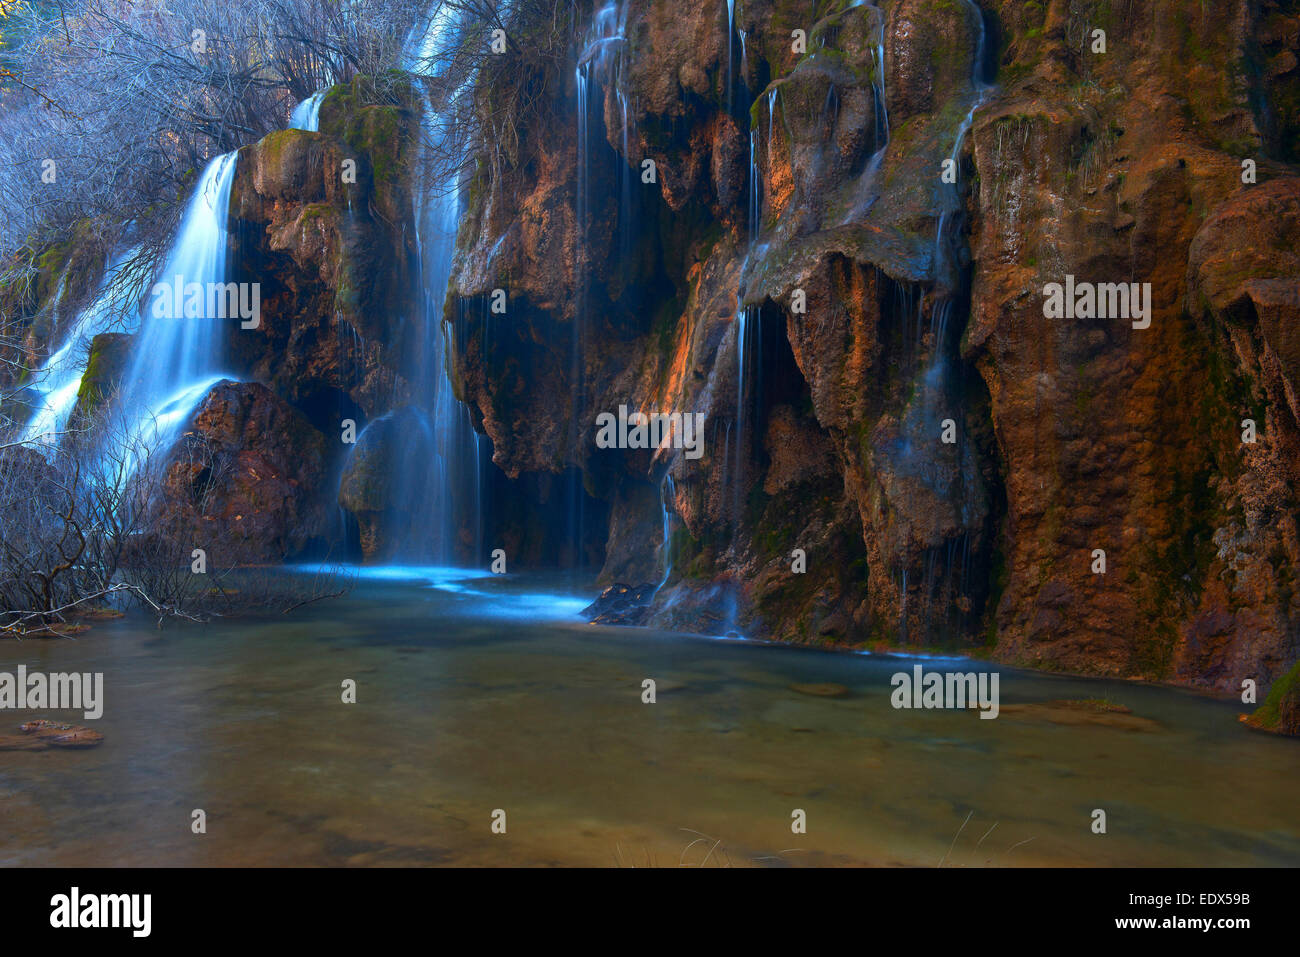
(175, 82)
(87, 524)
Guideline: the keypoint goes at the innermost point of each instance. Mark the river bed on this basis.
(478, 694)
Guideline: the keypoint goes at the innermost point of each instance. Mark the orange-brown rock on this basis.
(1075, 435)
(1128, 440)
(249, 478)
(334, 258)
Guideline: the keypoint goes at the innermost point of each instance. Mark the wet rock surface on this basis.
(1130, 440)
(386, 472)
(247, 477)
(798, 272)
(333, 258)
(109, 361)
(1073, 435)
(621, 604)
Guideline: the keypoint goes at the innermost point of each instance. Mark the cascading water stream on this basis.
(599, 67)
(440, 479)
(748, 344)
(59, 377)
(306, 115)
(867, 192)
(178, 351)
(934, 394)
(944, 258)
(667, 496)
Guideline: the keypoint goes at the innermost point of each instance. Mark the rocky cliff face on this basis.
(330, 246)
(1131, 440)
(824, 191)
(799, 270)
(322, 221)
(834, 239)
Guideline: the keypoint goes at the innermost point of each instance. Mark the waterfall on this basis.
(944, 266)
(731, 31)
(748, 354)
(573, 492)
(58, 380)
(599, 68)
(178, 351)
(878, 83)
(922, 422)
(878, 62)
(438, 474)
(306, 115)
(866, 193)
(667, 499)
(747, 338)
(946, 279)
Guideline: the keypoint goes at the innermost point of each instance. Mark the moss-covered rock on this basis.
(1280, 711)
(333, 255)
(375, 118)
(108, 361)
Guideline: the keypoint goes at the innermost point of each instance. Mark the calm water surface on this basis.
(486, 693)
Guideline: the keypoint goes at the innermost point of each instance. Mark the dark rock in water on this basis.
(1078, 714)
(75, 738)
(621, 604)
(823, 690)
(41, 734)
(42, 724)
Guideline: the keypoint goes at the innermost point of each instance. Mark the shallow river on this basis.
(481, 694)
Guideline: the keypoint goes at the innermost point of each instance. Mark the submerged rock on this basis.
(1081, 712)
(42, 733)
(827, 689)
